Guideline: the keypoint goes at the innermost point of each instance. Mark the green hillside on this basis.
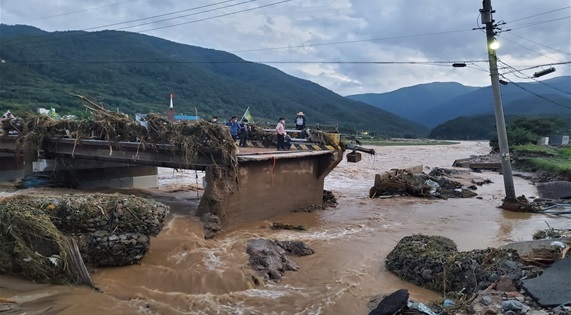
(136, 73)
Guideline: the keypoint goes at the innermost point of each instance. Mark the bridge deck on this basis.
(160, 154)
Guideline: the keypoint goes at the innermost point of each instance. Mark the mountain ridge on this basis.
(551, 96)
(137, 72)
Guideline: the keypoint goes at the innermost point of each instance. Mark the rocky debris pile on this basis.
(329, 199)
(551, 233)
(212, 225)
(107, 229)
(309, 209)
(439, 172)
(520, 204)
(419, 185)
(87, 213)
(283, 226)
(269, 258)
(433, 262)
(544, 205)
(106, 249)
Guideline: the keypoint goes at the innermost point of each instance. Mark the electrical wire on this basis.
(539, 22)
(426, 63)
(537, 52)
(555, 49)
(73, 12)
(350, 41)
(533, 93)
(543, 13)
(532, 78)
(29, 40)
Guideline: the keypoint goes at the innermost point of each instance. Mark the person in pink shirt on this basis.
(280, 133)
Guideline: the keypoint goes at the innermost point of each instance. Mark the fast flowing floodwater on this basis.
(185, 274)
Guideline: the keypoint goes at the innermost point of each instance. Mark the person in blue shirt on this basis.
(234, 127)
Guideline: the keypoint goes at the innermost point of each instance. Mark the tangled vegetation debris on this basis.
(48, 238)
(406, 183)
(187, 139)
(31, 245)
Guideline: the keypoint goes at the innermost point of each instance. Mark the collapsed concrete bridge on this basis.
(257, 182)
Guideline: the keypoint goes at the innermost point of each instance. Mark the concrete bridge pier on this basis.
(267, 185)
(11, 168)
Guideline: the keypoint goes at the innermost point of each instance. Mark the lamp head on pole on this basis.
(495, 44)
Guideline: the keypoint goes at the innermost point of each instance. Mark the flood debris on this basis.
(269, 258)
(188, 139)
(552, 287)
(393, 303)
(551, 233)
(212, 225)
(407, 183)
(520, 204)
(43, 237)
(283, 226)
(329, 199)
(433, 262)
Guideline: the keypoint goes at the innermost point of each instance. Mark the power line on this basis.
(543, 13)
(509, 40)
(27, 39)
(429, 63)
(542, 65)
(217, 16)
(561, 51)
(540, 96)
(539, 22)
(350, 41)
(532, 78)
(171, 13)
(74, 12)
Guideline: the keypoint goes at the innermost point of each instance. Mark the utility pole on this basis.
(486, 13)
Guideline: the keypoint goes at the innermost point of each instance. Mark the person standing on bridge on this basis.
(244, 132)
(234, 127)
(300, 124)
(280, 133)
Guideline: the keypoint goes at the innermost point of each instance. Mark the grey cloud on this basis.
(324, 21)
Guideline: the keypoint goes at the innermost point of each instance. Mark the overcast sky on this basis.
(326, 31)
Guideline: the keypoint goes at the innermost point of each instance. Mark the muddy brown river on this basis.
(185, 274)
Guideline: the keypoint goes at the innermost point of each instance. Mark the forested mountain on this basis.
(136, 73)
(552, 96)
(407, 101)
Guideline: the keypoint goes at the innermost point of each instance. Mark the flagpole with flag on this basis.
(247, 115)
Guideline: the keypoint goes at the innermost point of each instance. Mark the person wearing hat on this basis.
(300, 123)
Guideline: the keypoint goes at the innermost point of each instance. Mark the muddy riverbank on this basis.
(185, 274)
